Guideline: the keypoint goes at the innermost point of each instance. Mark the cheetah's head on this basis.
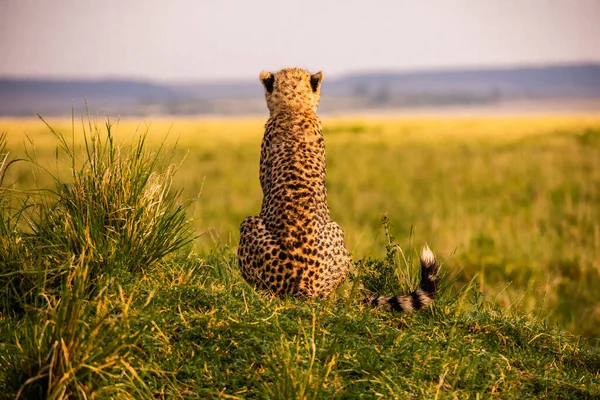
(292, 89)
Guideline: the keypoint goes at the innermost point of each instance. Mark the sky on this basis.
(187, 40)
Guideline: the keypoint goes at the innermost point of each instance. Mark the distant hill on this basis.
(30, 96)
(361, 91)
(557, 81)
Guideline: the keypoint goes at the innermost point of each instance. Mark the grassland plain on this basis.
(511, 204)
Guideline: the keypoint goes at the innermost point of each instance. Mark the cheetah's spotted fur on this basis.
(293, 246)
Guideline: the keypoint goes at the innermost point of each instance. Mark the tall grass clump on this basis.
(118, 203)
(65, 255)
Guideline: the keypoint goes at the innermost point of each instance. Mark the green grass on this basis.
(105, 295)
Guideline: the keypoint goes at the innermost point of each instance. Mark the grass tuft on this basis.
(119, 204)
(391, 275)
(64, 258)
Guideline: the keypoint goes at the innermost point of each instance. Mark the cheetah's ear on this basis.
(267, 79)
(315, 81)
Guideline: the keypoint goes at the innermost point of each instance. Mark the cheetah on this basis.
(293, 247)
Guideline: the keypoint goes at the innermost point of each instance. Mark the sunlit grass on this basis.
(514, 201)
(93, 307)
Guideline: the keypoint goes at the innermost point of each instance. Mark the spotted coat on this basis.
(293, 246)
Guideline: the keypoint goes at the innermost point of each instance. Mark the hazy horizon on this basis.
(233, 41)
(245, 80)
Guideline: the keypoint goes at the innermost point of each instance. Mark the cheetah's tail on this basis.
(421, 297)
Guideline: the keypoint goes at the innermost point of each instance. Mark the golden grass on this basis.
(234, 130)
